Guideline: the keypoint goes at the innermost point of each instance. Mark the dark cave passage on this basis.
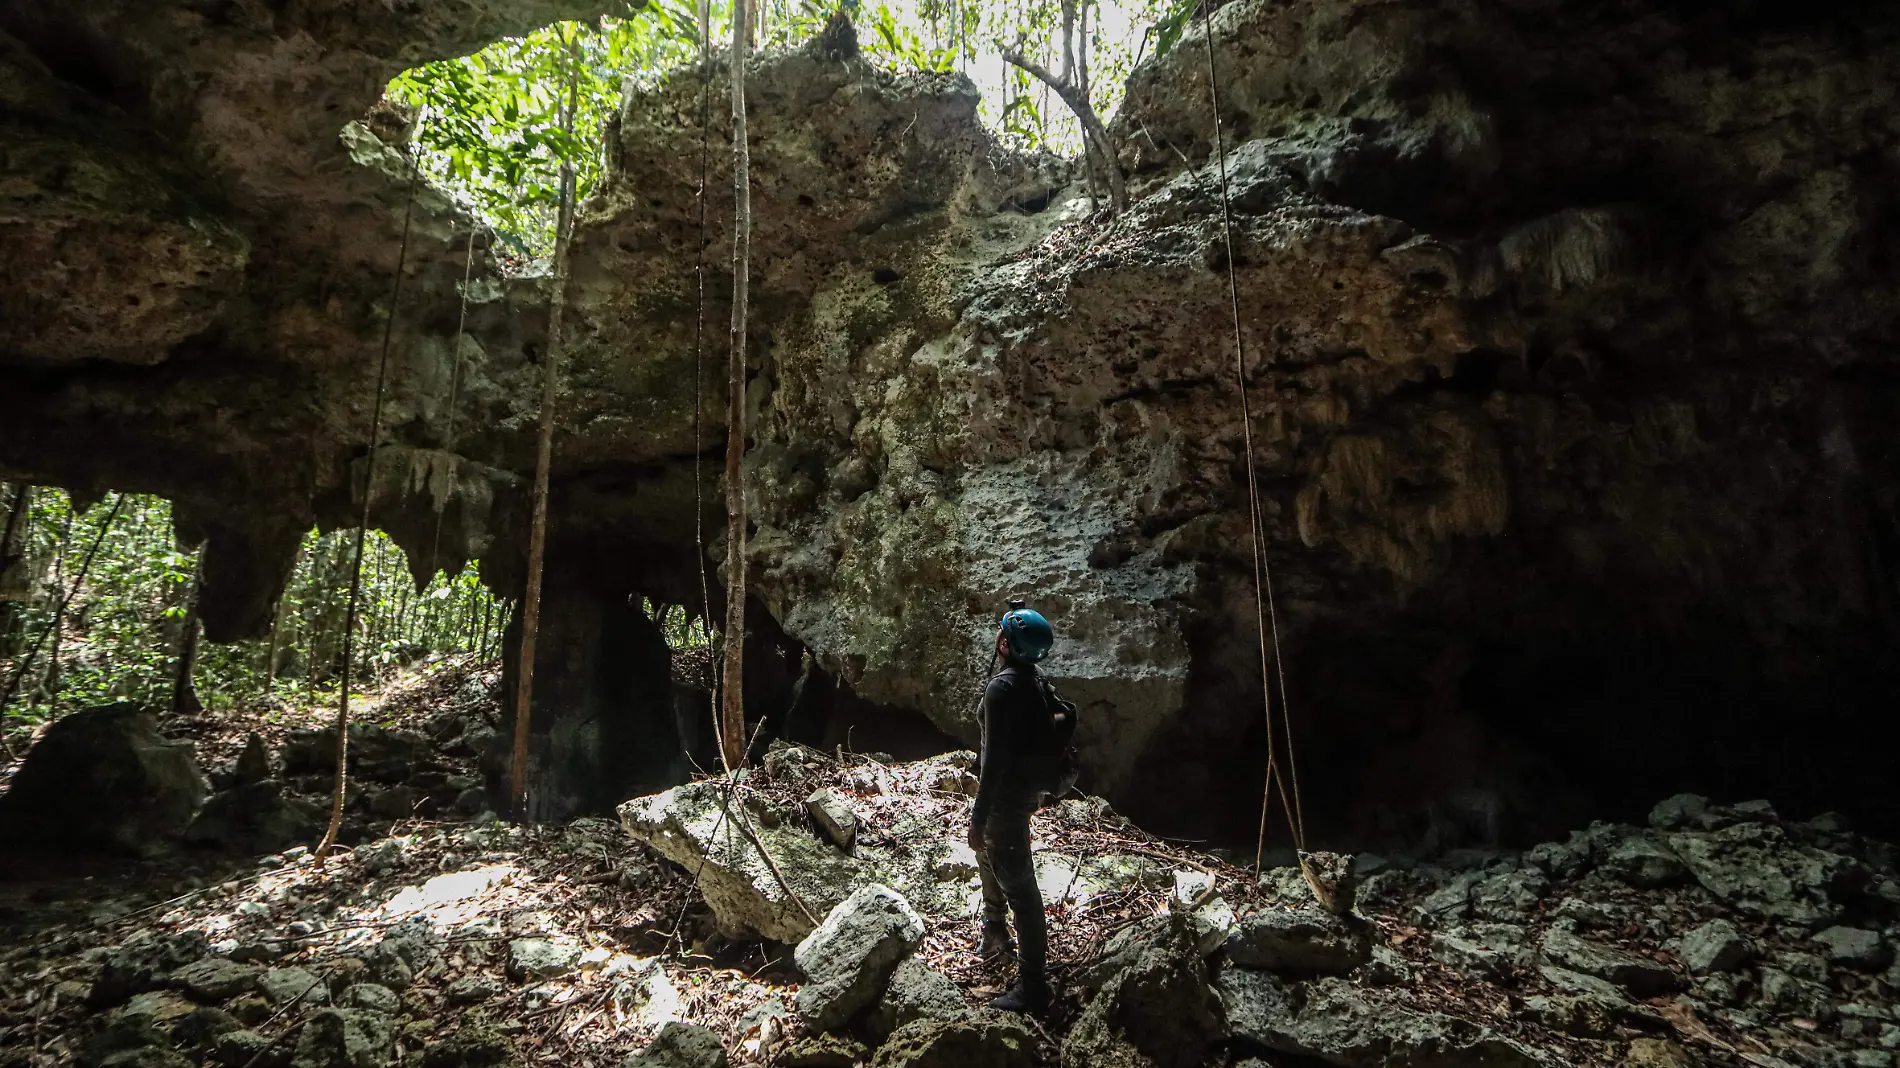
(1421, 744)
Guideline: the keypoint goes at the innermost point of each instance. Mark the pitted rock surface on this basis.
(850, 957)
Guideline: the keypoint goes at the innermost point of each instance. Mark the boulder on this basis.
(1755, 867)
(257, 818)
(1156, 1011)
(1716, 946)
(1639, 975)
(345, 1038)
(372, 996)
(982, 1039)
(244, 1049)
(1303, 942)
(680, 1046)
(851, 955)
(1170, 933)
(203, 1026)
(1508, 896)
(472, 989)
(915, 992)
(103, 778)
(403, 951)
(1331, 1020)
(1579, 1015)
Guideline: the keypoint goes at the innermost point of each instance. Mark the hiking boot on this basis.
(1027, 995)
(996, 940)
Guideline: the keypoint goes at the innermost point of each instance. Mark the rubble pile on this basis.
(730, 922)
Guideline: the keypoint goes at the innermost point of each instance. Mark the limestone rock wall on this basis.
(1566, 331)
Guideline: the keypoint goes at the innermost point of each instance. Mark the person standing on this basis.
(1024, 733)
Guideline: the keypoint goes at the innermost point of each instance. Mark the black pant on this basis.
(1009, 885)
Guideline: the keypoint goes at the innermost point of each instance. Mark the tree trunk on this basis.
(13, 554)
(544, 461)
(277, 627)
(185, 700)
(732, 714)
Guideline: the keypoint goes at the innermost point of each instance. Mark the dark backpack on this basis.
(1065, 762)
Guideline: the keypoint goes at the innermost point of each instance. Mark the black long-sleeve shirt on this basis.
(1016, 741)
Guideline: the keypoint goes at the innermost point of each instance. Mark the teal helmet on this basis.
(1028, 635)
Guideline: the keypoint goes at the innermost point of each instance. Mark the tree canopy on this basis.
(488, 124)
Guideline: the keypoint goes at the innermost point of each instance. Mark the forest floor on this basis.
(478, 942)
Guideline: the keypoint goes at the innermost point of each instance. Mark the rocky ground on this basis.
(1715, 934)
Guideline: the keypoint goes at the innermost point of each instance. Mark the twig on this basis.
(288, 1005)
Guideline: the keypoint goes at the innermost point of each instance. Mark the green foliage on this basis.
(490, 124)
(490, 128)
(120, 635)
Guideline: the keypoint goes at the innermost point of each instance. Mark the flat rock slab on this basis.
(1331, 1020)
(851, 955)
(1639, 975)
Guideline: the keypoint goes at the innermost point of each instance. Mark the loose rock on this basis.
(542, 958)
(1855, 948)
(680, 1046)
(1645, 863)
(851, 955)
(834, 817)
(1716, 946)
(982, 1039)
(345, 1038)
(915, 992)
(281, 986)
